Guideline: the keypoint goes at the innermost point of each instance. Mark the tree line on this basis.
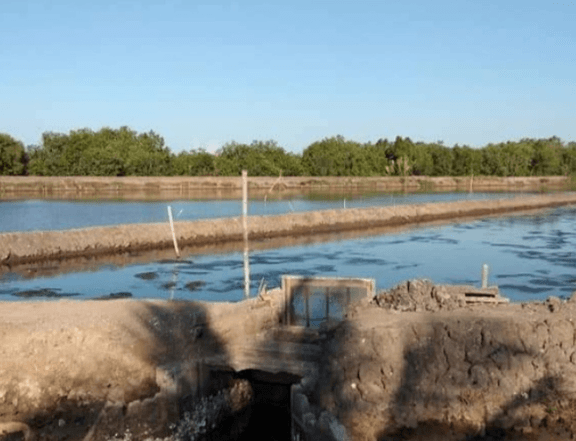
(124, 152)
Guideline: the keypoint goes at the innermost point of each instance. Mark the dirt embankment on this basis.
(451, 371)
(89, 370)
(18, 248)
(210, 187)
(434, 368)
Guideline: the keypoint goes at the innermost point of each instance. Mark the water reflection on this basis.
(529, 256)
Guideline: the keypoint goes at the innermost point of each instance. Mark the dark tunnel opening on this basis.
(260, 405)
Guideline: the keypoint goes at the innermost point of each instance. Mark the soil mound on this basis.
(423, 295)
(420, 295)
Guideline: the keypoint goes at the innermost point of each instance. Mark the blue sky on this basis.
(203, 74)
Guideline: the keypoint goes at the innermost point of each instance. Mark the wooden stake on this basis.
(173, 232)
(245, 232)
(485, 276)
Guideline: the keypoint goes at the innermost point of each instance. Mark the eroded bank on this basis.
(91, 370)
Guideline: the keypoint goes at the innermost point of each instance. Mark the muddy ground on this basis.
(414, 363)
(30, 247)
(17, 187)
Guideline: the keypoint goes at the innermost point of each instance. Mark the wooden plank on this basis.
(496, 299)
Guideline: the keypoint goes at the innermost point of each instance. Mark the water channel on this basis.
(531, 257)
(40, 215)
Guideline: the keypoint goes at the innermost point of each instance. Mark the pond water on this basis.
(32, 215)
(530, 256)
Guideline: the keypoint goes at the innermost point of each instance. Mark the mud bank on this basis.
(91, 370)
(433, 368)
(19, 248)
(44, 268)
(452, 372)
(209, 187)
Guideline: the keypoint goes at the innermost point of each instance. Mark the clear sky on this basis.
(205, 73)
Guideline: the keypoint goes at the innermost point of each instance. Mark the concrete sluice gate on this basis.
(419, 361)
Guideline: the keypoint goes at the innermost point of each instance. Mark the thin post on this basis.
(485, 276)
(471, 182)
(173, 232)
(245, 232)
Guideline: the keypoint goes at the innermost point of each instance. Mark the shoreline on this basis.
(137, 188)
(32, 247)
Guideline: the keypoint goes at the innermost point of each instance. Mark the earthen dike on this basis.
(26, 247)
(433, 367)
(138, 187)
(427, 367)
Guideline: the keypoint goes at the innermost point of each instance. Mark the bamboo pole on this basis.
(173, 232)
(245, 232)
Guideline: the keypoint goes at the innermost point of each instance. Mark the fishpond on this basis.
(531, 256)
(41, 215)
